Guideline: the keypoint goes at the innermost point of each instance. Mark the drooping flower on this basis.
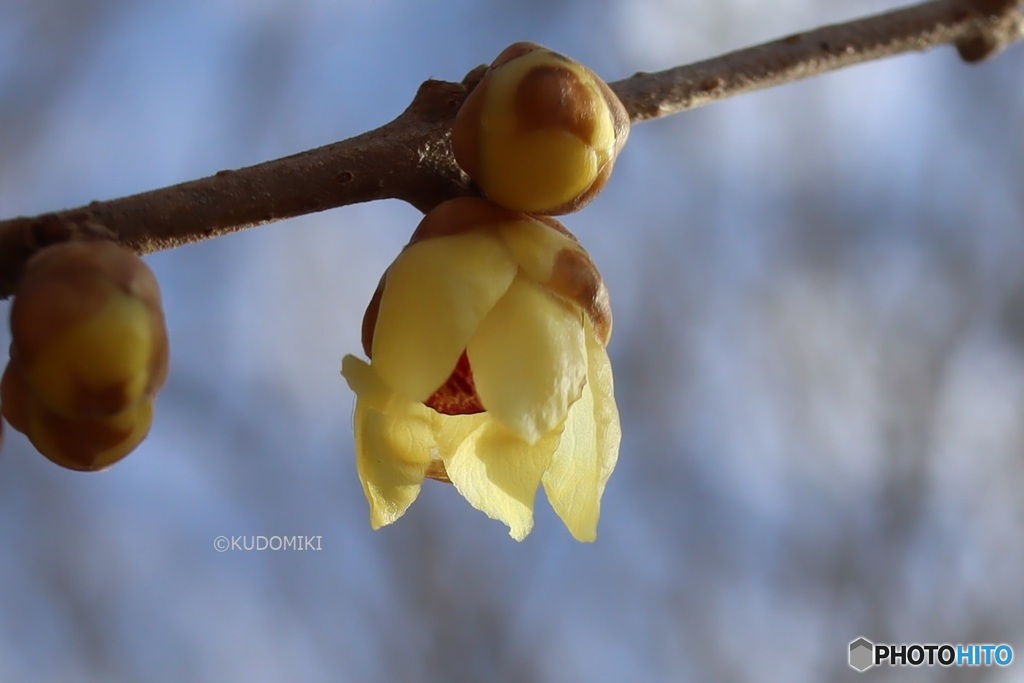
(487, 337)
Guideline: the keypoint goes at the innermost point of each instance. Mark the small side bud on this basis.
(89, 445)
(88, 329)
(540, 132)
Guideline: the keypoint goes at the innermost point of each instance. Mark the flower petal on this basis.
(365, 382)
(394, 440)
(588, 451)
(529, 360)
(498, 473)
(390, 481)
(535, 246)
(556, 261)
(435, 295)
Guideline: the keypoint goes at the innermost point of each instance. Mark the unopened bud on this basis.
(88, 329)
(540, 132)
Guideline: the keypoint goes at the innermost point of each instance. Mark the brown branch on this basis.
(978, 28)
(410, 158)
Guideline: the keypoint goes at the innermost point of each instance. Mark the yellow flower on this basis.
(487, 336)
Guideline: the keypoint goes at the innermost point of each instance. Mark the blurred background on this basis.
(819, 355)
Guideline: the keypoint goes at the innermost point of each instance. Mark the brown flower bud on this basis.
(88, 329)
(540, 132)
(89, 445)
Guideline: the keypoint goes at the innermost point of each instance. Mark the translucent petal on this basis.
(394, 441)
(535, 247)
(392, 453)
(436, 293)
(498, 473)
(588, 451)
(529, 360)
(451, 431)
(365, 382)
(562, 266)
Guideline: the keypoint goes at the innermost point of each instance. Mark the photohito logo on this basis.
(864, 654)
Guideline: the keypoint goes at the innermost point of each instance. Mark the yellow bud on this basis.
(540, 132)
(89, 445)
(88, 329)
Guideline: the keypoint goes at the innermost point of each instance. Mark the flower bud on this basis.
(82, 445)
(89, 445)
(540, 132)
(88, 329)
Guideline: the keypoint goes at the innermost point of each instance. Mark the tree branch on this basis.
(978, 28)
(410, 158)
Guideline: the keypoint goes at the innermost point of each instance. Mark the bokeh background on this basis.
(819, 352)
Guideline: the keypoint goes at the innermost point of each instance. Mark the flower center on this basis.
(457, 396)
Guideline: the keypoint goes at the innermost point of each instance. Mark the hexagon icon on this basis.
(862, 653)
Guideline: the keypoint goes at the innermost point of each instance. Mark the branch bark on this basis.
(410, 158)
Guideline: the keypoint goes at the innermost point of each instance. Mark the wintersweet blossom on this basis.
(487, 337)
